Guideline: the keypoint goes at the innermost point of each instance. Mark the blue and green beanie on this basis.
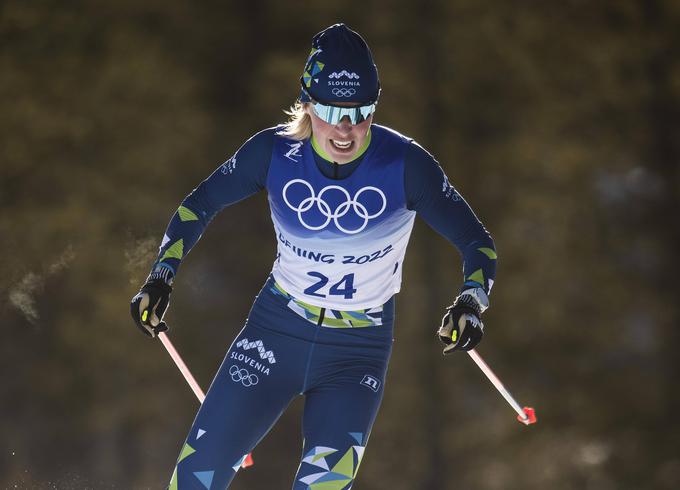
(340, 68)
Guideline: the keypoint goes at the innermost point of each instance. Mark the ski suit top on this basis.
(341, 230)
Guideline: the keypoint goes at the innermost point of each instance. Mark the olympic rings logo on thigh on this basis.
(343, 92)
(239, 375)
(325, 209)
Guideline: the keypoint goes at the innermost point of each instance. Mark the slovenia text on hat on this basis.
(340, 68)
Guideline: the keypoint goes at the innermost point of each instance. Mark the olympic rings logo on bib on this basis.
(343, 92)
(359, 209)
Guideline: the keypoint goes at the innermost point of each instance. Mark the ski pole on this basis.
(192, 381)
(526, 415)
(193, 384)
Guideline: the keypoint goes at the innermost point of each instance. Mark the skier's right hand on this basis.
(149, 305)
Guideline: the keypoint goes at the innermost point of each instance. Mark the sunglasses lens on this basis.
(333, 114)
(366, 111)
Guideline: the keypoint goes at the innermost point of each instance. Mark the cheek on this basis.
(361, 130)
(320, 128)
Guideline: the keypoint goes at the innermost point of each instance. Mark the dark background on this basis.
(557, 121)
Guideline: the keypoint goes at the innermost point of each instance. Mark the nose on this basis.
(345, 125)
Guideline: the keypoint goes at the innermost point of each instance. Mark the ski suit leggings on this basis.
(282, 353)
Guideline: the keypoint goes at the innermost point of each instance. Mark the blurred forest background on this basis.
(557, 121)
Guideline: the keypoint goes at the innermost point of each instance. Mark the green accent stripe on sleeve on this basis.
(477, 276)
(489, 252)
(186, 214)
(176, 251)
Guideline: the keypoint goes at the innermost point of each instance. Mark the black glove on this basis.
(462, 327)
(149, 305)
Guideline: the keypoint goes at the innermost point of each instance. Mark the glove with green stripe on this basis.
(462, 327)
(149, 305)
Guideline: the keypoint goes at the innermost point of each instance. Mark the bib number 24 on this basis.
(344, 287)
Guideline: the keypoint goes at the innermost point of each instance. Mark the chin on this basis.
(343, 158)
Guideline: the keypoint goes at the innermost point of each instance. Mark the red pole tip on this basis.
(248, 461)
(530, 416)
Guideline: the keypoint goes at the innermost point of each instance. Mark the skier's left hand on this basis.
(462, 327)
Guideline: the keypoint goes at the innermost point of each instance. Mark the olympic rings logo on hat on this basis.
(341, 210)
(343, 92)
(242, 376)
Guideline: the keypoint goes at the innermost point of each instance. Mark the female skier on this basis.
(343, 194)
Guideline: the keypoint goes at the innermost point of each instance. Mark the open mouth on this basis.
(342, 146)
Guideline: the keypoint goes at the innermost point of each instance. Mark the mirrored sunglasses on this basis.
(334, 114)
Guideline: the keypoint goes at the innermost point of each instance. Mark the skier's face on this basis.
(340, 141)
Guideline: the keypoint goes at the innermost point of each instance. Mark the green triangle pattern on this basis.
(173, 480)
(176, 251)
(477, 276)
(489, 252)
(318, 66)
(330, 485)
(187, 450)
(346, 464)
(186, 214)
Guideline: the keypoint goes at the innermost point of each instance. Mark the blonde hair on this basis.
(299, 124)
